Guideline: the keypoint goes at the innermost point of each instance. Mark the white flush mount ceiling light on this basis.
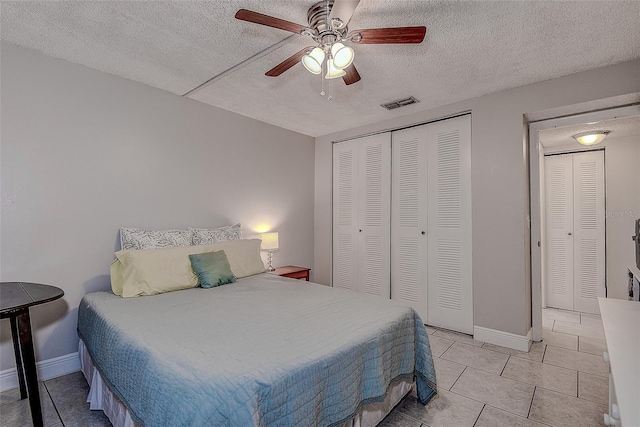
(592, 137)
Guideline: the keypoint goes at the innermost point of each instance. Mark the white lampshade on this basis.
(591, 138)
(342, 55)
(270, 241)
(333, 72)
(312, 61)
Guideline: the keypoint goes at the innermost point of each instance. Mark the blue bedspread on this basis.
(260, 352)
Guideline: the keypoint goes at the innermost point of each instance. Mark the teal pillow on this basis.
(212, 269)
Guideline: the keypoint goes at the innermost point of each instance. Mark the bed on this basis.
(262, 351)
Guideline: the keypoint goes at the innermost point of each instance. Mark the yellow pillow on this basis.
(154, 271)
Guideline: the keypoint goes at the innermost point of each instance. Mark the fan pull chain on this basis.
(322, 79)
(322, 73)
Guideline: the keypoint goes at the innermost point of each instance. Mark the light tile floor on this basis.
(561, 381)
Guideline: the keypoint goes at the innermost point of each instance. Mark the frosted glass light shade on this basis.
(342, 55)
(332, 71)
(312, 61)
(591, 138)
(270, 241)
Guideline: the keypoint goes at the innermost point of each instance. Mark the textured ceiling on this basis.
(472, 48)
(563, 136)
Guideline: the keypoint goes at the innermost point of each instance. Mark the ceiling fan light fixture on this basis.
(342, 55)
(312, 61)
(592, 137)
(332, 71)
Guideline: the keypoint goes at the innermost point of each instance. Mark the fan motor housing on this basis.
(318, 18)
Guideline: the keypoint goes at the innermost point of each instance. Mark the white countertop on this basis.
(621, 320)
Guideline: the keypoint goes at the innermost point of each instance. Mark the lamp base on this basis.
(269, 259)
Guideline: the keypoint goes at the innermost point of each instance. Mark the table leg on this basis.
(16, 351)
(29, 360)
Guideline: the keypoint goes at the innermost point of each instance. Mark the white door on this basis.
(574, 187)
(409, 219)
(450, 293)
(589, 231)
(361, 214)
(431, 222)
(345, 215)
(559, 223)
(374, 211)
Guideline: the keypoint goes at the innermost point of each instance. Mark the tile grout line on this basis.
(479, 413)
(55, 407)
(505, 366)
(454, 383)
(533, 396)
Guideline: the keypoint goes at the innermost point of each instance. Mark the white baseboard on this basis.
(504, 339)
(47, 369)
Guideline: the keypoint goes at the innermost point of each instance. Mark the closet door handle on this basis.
(569, 234)
(423, 233)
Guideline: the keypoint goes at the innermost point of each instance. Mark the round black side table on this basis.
(15, 300)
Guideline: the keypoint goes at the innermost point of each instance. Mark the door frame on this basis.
(536, 172)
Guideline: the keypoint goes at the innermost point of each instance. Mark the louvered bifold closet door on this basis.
(409, 218)
(345, 215)
(450, 293)
(374, 188)
(589, 230)
(559, 236)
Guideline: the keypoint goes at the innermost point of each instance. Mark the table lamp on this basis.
(270, 245)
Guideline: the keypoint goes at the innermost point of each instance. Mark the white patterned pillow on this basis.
(139, 238)
(207, 236)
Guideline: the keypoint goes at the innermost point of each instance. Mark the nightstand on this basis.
(292, 271)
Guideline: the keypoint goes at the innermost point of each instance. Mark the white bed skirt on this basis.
(101, 398)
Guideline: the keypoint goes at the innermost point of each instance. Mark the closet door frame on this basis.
(536, 172)
(466, 194)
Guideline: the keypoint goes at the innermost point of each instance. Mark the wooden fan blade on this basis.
(343, 9)
(352, 75)
(389, 35)
(287, 63)
(269, 21)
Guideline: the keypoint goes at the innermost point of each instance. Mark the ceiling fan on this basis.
(328, 20)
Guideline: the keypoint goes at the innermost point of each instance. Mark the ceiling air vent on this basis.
(400, 103)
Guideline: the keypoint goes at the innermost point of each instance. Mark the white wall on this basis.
(499, 183)
(622, 165)
(84, 153)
